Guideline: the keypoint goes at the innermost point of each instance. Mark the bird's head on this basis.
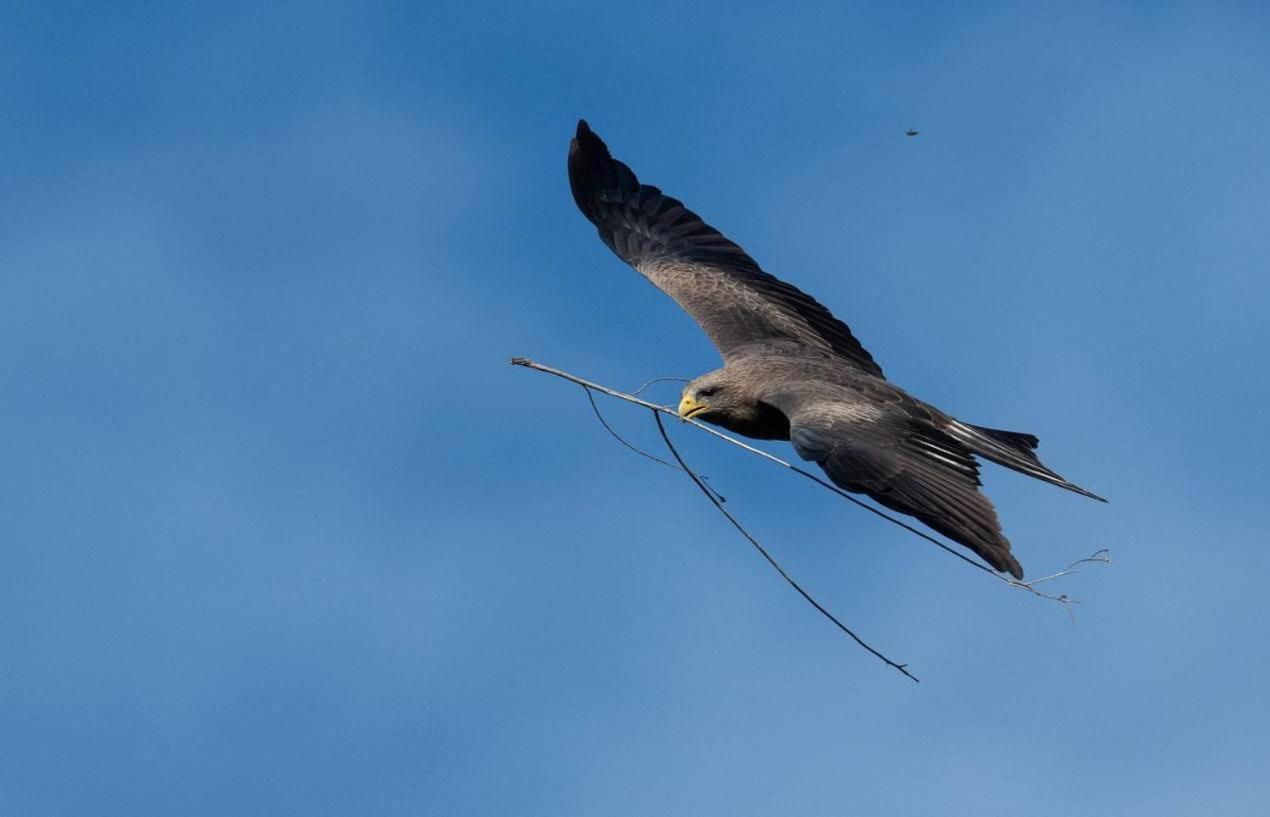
(711, 397)
(728, 398)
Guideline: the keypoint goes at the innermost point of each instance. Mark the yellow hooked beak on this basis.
(689, 407)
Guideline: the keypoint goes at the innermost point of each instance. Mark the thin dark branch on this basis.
(903, 668)
(600, 416)
(595, 408)
(1022, 585)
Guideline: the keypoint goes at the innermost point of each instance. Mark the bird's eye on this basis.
(707, 391)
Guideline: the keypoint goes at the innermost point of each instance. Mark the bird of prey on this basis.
(792, 371)
(911, 132)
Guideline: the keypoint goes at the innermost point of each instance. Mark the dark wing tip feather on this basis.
(593, 170)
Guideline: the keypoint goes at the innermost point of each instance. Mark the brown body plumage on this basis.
(794, 372)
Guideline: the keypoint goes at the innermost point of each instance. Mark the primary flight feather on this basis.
(792, 371)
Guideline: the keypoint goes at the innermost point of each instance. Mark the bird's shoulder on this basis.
(808, 382)
(784, 361)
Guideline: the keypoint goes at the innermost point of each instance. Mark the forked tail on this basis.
(1013, 450)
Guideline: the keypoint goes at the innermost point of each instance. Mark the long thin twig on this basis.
(590, 386)
(903, 668)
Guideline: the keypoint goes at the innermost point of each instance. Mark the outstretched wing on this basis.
(721, 287)
(900, 459)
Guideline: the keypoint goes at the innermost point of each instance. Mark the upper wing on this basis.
(724, 290)
(900, 459)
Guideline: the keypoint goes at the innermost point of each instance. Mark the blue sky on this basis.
(282, 533)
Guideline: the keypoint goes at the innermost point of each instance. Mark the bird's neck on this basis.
(758, 421)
